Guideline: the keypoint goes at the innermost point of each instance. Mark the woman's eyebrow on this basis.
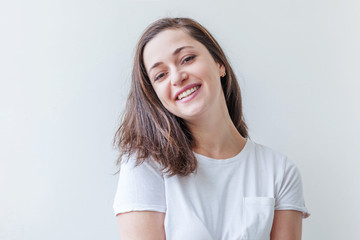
(181, 48)
(174, 53)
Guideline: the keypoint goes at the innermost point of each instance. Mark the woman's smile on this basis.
(189, 91)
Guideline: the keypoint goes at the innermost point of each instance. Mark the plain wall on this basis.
(65, 70)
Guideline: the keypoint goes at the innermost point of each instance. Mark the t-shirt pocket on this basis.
(258, 217)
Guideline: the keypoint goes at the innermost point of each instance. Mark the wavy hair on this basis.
(148, 129)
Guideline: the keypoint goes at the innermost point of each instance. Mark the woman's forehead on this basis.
(169, 37)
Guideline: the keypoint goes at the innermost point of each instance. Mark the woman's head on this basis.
(184, 76)
(195, 31)
(150, 128)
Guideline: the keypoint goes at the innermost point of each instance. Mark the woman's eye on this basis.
(189, 58)
(159, 76)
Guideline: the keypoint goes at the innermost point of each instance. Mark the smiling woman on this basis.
(188, 169)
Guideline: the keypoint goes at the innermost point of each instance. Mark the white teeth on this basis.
(187, 92)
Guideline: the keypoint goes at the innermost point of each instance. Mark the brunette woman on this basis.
(188, 167)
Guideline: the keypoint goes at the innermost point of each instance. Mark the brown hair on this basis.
(148, 129)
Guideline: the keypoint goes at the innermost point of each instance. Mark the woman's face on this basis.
(183, 74)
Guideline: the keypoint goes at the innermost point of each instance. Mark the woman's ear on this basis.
(222, 70)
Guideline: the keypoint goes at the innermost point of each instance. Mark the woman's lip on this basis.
(186, 88)
(190, 97)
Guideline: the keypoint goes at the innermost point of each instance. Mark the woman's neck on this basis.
(216, 136)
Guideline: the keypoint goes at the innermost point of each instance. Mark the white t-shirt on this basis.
(228, 199)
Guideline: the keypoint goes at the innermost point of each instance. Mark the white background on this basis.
(65, 69)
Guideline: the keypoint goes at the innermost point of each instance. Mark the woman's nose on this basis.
(178, 77)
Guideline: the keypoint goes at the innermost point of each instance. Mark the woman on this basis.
(188, 169)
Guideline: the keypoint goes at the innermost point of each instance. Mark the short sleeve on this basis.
(140, 188)
(290, 190)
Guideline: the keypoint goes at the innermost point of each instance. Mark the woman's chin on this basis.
(192, 113)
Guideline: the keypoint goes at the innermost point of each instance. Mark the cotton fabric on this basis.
(224, 199)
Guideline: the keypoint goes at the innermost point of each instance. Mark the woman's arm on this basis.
(141, 225)
(287, 225)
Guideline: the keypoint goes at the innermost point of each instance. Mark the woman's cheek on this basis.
(163, 94)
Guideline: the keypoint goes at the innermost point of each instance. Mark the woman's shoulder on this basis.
(270, 154)
(132, 162)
